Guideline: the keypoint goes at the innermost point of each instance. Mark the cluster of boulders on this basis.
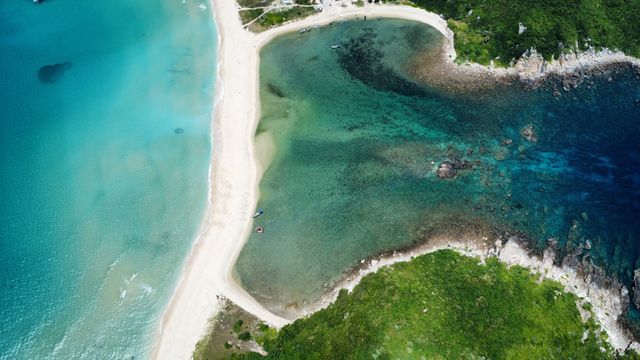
(636, 288)
(449, 169)
(446, 171)
(529, 133)
(570, 81)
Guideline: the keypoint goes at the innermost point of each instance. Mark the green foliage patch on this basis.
(237, 326)
(486, 30)
(249, 15)
(274, 18)
(253, 3)
(444, 306)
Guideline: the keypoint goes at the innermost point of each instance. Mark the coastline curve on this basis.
(234, 173)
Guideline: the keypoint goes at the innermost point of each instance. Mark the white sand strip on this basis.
(233, 195)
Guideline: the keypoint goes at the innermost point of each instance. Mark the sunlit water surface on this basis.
(104, 161)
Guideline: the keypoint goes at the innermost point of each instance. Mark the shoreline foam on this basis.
(234, 173)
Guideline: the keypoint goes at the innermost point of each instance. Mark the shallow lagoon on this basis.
(359, 142)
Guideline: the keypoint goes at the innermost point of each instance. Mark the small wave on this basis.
(146, 288)
(133, 276)
(123, 293)
(123, 290)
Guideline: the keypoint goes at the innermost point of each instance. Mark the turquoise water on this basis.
(104, 169)
(359, 142)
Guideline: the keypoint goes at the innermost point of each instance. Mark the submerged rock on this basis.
(52, 73)
(179, 131)
(275, 90)
(446, 171)
(529, 133)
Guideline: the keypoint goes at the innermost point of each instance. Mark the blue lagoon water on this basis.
(104, 162)
(359, 140)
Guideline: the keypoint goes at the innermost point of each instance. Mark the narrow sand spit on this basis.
(234, 172)
(232, 198)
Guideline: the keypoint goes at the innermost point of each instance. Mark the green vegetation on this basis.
(237, 327)
(249, 15)
(232, 331)
(274, 18)
(486, 30)
(443, 306)
(254, 3)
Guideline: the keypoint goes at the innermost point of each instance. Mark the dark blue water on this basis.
(359, 142)
(583, 174)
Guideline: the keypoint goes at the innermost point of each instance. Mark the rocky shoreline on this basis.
(440, 69)
(608, 298)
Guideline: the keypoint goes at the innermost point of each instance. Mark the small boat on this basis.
(335, 46)
(259, 229)
(258, 213)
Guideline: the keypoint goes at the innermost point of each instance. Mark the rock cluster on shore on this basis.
(636, 288)
(607, 297)
(438, 69)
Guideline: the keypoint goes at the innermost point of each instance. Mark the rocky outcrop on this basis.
(449, 169)
(446, 171)
(636, 288)
(529, 133)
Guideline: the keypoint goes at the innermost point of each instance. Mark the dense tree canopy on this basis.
(488, 29)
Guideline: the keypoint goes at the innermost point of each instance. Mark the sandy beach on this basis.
(234, 173)
(232, 198)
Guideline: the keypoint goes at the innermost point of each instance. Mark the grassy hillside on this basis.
(443, 306)
(486, 29)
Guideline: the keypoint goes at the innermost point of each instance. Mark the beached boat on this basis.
(258, 213)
